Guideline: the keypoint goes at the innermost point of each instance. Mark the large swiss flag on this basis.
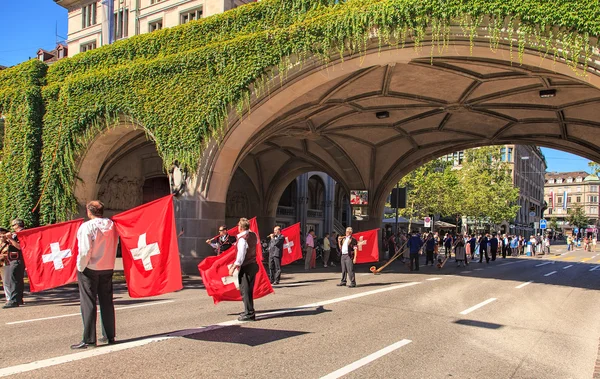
(50, 254)
(215, 273)
(149, 247)
(292, 249)
(368, 246)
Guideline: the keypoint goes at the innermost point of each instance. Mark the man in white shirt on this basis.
(310, 249)
(348, 246)
(247, 267)
(97, 241)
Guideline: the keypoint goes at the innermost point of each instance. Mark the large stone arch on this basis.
(116, 165)
(479, 87)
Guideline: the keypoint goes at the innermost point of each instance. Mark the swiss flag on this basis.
(368, 246)
(292, 249)
(215, 273)
(50, 254)
(149, 247)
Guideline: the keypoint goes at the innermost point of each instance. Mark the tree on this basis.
(577, 217)
(553, 224)
(595, 167)
(488, 191)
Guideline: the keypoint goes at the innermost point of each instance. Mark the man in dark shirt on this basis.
(483, 242)
(429, 249)
(276, 242)
(14, 269)
(494, 246)
(223, 241)
(414, 246)
(472, 243)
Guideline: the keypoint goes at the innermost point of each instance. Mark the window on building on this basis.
(568, 199)
(579, 179)
(155, 25)
(569, 180)
(510, 154)
(121, 23)
(593, 198)
(559, 199)
(559, 180)
(88, 15)
(191, 15)
(61, 53)
(578, 199)
(503, 154)
(549, 211)
(461, 157)
(87, 46)
(593, 188)
(155, 1)
(551, 181)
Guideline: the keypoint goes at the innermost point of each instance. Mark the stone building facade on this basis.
(89, 25)
(566, 190)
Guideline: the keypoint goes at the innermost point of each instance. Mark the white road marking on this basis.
(290, 284)
(546, 263)
(78, 356)
(475, 307)
(595, 268)
(128, 345)
(79, 314)
(566, 267)
(366, 360)
(479, 269)
(512, 263)
(366, 274)
(550, 273)
(432, 279)
(524, 284)
(465, 272)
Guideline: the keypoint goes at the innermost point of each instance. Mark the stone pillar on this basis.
(199, 220)
(329, 205)
(302, 208)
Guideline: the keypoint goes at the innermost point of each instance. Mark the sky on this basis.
(27, 25)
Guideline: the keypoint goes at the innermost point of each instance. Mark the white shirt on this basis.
(345, 245)
(242, 247)
(97, 241)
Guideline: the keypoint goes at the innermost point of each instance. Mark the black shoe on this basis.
(247, 318)
(106, 340)
(82, 345)
(276, 283)
(341, 284)
(352, 285)
(10, 305)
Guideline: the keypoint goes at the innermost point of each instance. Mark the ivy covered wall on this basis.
(180, 83)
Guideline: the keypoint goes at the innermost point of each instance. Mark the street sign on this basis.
(543, 224)
(576, 230)
(532, 214)
(427, 222)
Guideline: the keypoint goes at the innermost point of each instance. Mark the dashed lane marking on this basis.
(566, 267)
(545, 263)
(366, 360)
(595, 268)
(550, 273)
(524, 284)
(432, 279)
(475, 307)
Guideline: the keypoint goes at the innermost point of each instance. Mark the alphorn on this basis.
(397, 254)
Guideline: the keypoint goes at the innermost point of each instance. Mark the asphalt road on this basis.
(512, 318)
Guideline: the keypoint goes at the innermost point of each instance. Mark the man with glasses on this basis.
(14, 270)
(223, 241)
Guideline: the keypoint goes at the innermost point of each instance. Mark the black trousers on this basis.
(14, 272)
(428, 257)
(494, 253)
(274, 269)
(414, 261)
(347, 269)
(504, 249)
(96, 284)
(481, 254)
(247, 277)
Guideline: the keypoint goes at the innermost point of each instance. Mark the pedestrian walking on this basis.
(326, 249)
(514, 246)
(309, 249)
(494, 246)
(483, 249)
(459, 251)
(414, 247)
(97, 244)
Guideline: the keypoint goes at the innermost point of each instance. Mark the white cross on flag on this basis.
(367, 246)
(292, 250)
(149, 246)
(50, 254)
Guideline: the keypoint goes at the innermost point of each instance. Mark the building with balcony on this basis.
(566, 190)
(90, 26)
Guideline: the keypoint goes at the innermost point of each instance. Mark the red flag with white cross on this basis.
(150, 250)
(223, 287)
(367, 246)
(50, 254)
(292, 249)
